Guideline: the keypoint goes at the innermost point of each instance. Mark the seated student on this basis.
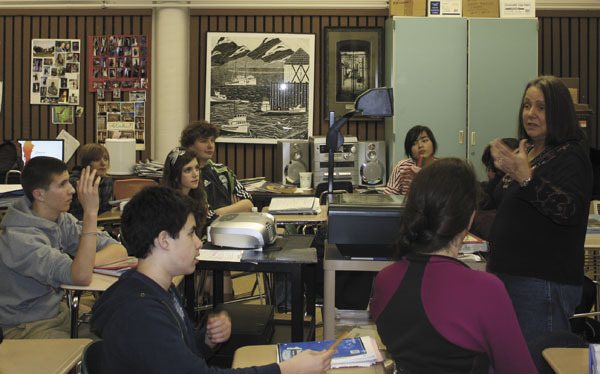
(224, 192)
(37, 238)
(181, 172)
(420, 147)
(434, 313)
(141, 317)
(95, 156)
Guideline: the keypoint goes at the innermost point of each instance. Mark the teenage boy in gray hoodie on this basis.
(42, 246)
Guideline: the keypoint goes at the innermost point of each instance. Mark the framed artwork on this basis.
(63, 115)
(260, 87)
(121, 120)
(353, 64)
(118, 62)
(55, 71)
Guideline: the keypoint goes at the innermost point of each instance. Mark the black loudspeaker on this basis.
(371, 163)
(291, 158)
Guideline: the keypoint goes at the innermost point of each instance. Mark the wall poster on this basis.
(118, 62)
(55, 71)
(121, 120)
(259, 87)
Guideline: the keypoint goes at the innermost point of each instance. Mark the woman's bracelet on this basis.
(89, 233)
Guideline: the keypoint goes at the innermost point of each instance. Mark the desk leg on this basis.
(329, 305)
(297, 305)
(217, 287)
(73, 299)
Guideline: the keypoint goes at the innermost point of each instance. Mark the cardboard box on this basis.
(481, 8)
(416, 8)
(444, 8)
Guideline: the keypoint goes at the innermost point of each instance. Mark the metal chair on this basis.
(126, 188)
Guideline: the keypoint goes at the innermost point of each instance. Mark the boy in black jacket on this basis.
(141, 318)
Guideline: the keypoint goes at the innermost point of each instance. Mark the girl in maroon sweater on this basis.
(435, 314)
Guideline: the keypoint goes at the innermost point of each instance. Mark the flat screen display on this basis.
(33, 148)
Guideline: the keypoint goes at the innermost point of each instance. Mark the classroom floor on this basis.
(243, 285)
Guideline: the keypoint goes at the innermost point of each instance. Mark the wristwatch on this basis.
(526, 181)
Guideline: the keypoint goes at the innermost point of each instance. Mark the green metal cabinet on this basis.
(462, 77)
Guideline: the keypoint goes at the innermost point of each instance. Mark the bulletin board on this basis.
(118, 63)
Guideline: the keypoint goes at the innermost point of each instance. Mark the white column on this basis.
(170, 89)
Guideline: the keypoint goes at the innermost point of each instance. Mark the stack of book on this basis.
(117, 268)
(350, 352)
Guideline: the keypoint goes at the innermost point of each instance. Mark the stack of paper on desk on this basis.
(350, 352)
(294, 205)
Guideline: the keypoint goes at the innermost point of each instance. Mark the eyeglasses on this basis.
(174, 155)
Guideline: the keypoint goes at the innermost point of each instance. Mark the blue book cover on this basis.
(347, 348)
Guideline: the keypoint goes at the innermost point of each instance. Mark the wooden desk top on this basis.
(567, 360)
(256, 355)
(43, 356)
(109, 216)
(100, 282)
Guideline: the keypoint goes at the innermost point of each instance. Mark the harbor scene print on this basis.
(260, 86)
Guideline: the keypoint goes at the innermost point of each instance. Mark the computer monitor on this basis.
(32, 148)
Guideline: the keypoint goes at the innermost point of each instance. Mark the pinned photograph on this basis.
(100, 93)
(63, 115)
(79, 112)
(116, 93)
(54, 62)
(137, 96)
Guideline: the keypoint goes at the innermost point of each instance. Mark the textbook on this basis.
(472, 244)
(350, 352)
(117, 268)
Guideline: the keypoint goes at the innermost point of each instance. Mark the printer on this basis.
(250, 230)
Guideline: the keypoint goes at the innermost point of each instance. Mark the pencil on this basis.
(337, 341)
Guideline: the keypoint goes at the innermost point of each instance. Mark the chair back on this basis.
(92, 358)
(126, 188)
(10, 163)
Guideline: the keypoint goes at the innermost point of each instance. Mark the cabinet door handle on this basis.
(461, 137)
(473, 138)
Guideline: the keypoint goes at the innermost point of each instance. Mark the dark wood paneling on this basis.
(20, 119)
(249, 160)
(568, 47)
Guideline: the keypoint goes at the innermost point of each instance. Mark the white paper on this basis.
(517, 8)
(10, 188)
(71, 144)
(224, 255)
